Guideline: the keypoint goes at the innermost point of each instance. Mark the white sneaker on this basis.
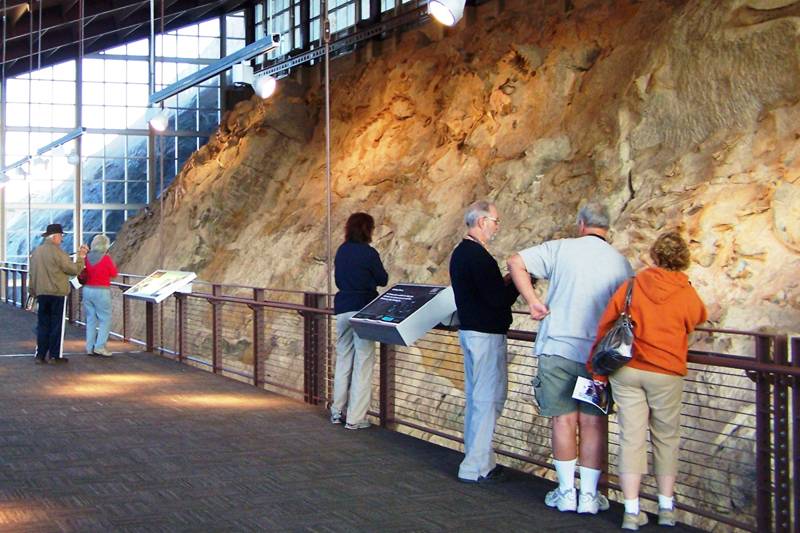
(357, 425)
(592, 502)
(102, 352)
(336, 418)
(564, 501)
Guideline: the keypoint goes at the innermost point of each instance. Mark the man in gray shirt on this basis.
(583, 273)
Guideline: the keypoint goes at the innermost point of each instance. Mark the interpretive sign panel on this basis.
(161, 284)
(405, 313)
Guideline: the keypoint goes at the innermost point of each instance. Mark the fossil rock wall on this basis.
(679, 114)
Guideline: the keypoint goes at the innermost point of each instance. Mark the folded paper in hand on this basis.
(588, 391)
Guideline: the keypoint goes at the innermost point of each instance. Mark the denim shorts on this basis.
(554, 383)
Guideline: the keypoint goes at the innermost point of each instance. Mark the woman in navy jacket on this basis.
(358, 272)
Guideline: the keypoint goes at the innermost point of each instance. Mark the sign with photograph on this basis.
(161, 284)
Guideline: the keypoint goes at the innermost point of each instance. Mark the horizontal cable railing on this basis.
(740, 445)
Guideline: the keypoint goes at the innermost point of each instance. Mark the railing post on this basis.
(387, 367)
(126, 312)
(216, 331)
(72, 298)
(150, 326)
(18, 291)
(763, 462)
(795, 347)
(780, 438)
(180, 299)
(258, 338)
(3, 283)
(23, 293)
(314, 342)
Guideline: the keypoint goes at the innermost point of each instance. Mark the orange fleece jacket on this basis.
(665, 308)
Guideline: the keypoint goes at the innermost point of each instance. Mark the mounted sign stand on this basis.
(161, 284)
(405, 313)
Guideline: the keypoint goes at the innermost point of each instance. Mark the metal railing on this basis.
(740, 445)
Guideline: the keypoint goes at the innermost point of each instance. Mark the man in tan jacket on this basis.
(50, 269)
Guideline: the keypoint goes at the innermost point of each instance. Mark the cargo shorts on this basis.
(554, 383)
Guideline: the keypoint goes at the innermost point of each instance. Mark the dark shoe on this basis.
(495, 475)
(40, 361)
(59, 360)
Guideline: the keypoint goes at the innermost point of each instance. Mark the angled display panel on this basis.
(405, 313)
(161, 284)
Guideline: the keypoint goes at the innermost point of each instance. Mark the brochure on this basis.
(588, 391)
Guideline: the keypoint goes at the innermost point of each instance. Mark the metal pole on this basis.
(3, 229)
(327, 39)
(78, 226)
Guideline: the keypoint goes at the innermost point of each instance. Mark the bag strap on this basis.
(628, 296)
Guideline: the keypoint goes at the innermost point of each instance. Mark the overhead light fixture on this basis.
(265, 86)
(39, 165)
(157, 118)
(448, 12)
(74, 134)
(250, 51)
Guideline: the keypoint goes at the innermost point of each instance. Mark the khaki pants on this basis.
(647, 399)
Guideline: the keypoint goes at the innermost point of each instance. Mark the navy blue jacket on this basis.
(483, 299)
(358, 271)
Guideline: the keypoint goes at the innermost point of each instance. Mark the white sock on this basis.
(589, 479)
(632, 506)
(665, 502)
(565, 470)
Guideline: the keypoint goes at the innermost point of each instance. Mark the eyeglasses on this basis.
(495, 220)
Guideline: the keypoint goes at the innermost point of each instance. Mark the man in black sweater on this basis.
(483, 299)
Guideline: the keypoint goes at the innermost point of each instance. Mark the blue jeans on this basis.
(97, 309)
(486, 388)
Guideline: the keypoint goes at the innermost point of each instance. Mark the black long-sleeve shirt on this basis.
(483, 299)
(358, 272)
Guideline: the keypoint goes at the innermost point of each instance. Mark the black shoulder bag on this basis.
(615, 348)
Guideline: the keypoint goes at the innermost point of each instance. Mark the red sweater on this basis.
(100, 274)
(665, 309)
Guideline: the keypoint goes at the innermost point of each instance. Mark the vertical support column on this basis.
(763, 463)
(387, 367)
(216, 331)
(314, 342)
(258, 338)
(305, 27)
(780, 438)
(180, 302)
(150, 326)
(126, 312)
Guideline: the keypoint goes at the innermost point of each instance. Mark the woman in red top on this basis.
(100, 269)
(665, 308)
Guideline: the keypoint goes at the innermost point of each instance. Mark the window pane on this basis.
(115, 169)
(92, 221)
(115, 192)
(137, 192)
(137, 169)
(187, 119)
(92, 193)
(114, 220)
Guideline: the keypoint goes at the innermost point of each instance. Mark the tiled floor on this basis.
(142, 443)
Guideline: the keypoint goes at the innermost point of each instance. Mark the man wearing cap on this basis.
(50, 269)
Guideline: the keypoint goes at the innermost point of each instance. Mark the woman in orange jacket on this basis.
(665, 308)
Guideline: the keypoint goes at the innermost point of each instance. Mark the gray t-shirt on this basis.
(583, 275)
